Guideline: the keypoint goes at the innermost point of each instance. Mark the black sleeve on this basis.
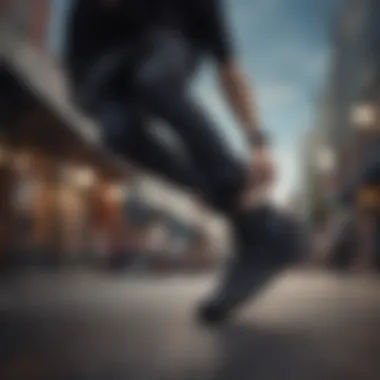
(218, 34)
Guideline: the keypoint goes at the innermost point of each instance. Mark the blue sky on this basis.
(284, 46)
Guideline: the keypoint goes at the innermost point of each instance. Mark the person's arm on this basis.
(233, 80)
(240, 96)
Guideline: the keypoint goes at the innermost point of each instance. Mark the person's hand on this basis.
(262, 163)
(263, 166)
(262, 172)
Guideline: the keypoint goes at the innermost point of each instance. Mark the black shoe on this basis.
(243, 280)
(253, 267)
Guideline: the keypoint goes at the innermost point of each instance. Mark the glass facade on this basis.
(355, 69)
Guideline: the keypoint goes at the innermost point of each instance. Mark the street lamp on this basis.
(363, 116)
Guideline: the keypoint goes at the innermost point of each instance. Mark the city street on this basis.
(83, 325)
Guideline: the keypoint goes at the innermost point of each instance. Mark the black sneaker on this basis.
(253, 267)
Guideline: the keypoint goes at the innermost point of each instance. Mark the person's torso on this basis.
(187, 16)
(123, 20)
(97, 29)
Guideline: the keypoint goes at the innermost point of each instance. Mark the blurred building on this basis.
(353, 125)
(346, 127)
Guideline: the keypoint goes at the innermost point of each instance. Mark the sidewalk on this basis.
(310, 326)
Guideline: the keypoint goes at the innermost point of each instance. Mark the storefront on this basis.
(52, 182)
(50, 210)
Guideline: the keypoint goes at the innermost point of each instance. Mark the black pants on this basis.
(156, 86)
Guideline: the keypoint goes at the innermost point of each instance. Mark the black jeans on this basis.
(156, 86)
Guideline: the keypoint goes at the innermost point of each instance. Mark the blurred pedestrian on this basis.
(132, 61)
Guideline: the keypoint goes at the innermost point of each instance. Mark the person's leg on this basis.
(103, 94)
(159, 82)
(126, 133)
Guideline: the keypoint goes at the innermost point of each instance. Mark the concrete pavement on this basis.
(96, 326)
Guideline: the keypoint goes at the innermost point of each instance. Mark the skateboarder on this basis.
(131, 62)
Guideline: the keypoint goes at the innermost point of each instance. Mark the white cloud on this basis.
(253, 10)
(310, 61)
(275, 94)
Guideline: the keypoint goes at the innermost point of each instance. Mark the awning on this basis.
(40, 80)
